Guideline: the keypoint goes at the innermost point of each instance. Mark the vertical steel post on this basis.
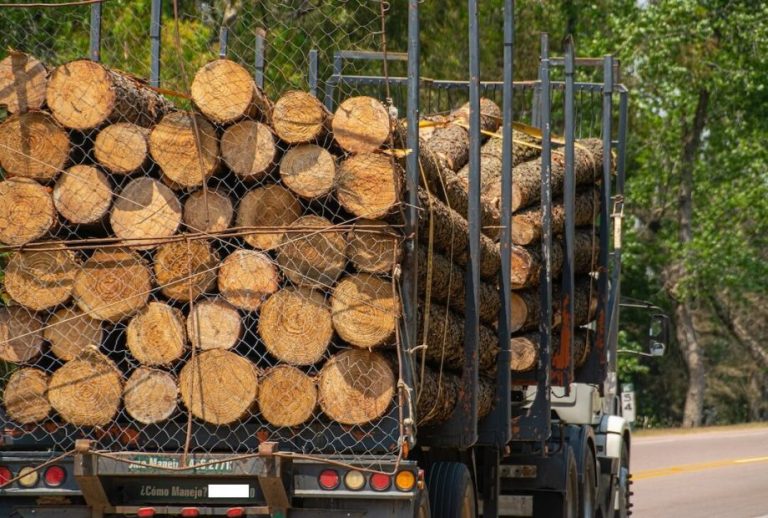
(155, 30)
(223, 41)
(258, 76)
(338, 66)
(313, 72)
(94, 51)
(562, 360)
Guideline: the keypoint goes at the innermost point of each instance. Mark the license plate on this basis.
(228, 491)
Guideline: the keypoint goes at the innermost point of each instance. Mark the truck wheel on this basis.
(571, 498)
(451, 492)
(622, 505)
(588, 490)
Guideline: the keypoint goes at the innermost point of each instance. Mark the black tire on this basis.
(622, 485)
(588, 488)
(571, 498)
(451, 492)
(421, 509)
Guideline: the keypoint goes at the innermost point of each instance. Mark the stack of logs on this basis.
(138, 229)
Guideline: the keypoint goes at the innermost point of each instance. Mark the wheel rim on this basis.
(588, 503)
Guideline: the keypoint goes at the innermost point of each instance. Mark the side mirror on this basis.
(658, 334)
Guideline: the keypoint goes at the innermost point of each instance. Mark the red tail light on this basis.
(54, 476)
(5, 475)
(190, 512)
(235, 512)
(146, 512)
(380, 482)
(329, 479)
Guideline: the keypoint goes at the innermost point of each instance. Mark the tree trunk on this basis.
(287, 396)
(218, 387)
(440, 393)
(41, 280)
(449, 145)
(25, 396)
(248, 148)
(225, 92)
(113, 284)
(361, 125)
(123, 148)
(315, 254)
(26, 211)
(355, 387)
(214, 324)
(185, 270)
(527, 263)
(84, 94)
(373, 246)
(186, 148)
(145, 212)
(368, 185)
(299, 117)
(21, 334)
(247, 277)
(364, 310)
(23, 81)
(33, 146)
(150, 395)
(70, 332)
(156, 336)
(83, 195)
(526, 224)
(86, 391)
(265, 207)
(693, 412)
(490, 115)
(295, 325)
(308, 170)
(208, 210)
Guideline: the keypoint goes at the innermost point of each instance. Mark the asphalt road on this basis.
(718, 474)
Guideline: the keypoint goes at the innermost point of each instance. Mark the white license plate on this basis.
(228, 491)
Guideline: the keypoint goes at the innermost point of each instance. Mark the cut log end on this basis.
(248, 148)
(225, 92)
(364, 310)
(361, 125)
(214, 324)
(40, 280)
(150, 395)
(156, 336)
(186, 148)
(25, 397)
(265, 207)
(185, 270)
(83, 195)
(308, 170)
(23, 81)
(218, 387)
(368, 185)
(525, 353)
(246, 278)
(295, 326)
(86, 391)
(356, 387)
(299, 117)
(208, 211)
(26, 211)
(490, 115)
(145, 211)
(21, 336)
(287, 396)
(373, 246)
(71, 332)
(34, 146)
(122, 147)
(313, 255)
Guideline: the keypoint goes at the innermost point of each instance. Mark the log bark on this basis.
(295, 325)
(218, 387)
(26, 211)
(368, 185)
(225, 92)
(70, 332)
(246, 278)
(83, 95)
(21, 334)
(526, 305)
(33, 145)
(208, 210)
(214, 324)
(440, 393)
(150, 395)
(83, 195)
(446, 286)
(449, 145)
(23, 81)
(373, 246)
(25, 396)
(186, 148)
(299, 117)
(526, 224)
(86, 391)
(490, 115)
(364, 310)
(269, 206)
(527, 263)
(445, 340)
(156, 336)
(248, 148)
(308, 170)
(356, 387)
(287, 396)
(361, 125)
(314, 255)
(122, 148)
(145, 212)
(40, 280)
(185, 270)
(525, 349)
(113, 284)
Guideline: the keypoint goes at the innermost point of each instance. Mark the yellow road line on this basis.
(691, 468)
